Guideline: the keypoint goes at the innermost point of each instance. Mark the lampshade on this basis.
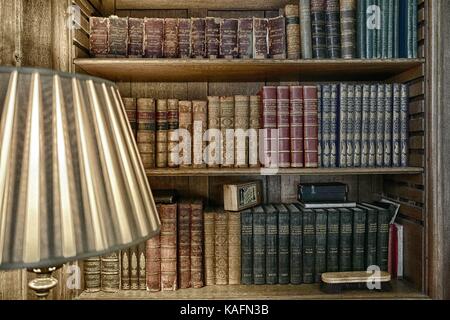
(71, 181)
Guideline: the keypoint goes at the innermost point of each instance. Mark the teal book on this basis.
(305, 29)
(271, 244)
(379, 32)
(343, 110)
(412, 28)
(388, 116)
(247, 247)
(283, 244)
(309, 237)
(350, 126)
(334, 147)
(384, 28)
(370, 31)
(326, 126)
(361, 24)
(295, 244)
(373, 124)
(396, 125)
(259, 245)
(321, 244)
(365, 127)
(345, 240)
(333, 240)
(396, 29)
(380, 126)
(359, 237)
(357, 140)
(390, 27)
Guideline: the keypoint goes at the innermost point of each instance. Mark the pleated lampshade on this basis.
(72, 184)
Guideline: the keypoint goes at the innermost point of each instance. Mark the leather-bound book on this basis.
(396, 125)
(283, 244)
(165, 196)
(365, 129)
(373, 125)
(268, 121)
(146, 133)
(381, 114)
(168, 215)
(318, 29)
(153, 262)
(309, 237)
(170, 49)
(110, 272)
(326, 125)
(241, 126)
(214, 154)
(358, 125)
(185, 133)
(388, 118)
(227, 130)
(259, 245)
(404, 125)
(253, 140)
(361, 26)
(131, 110)
(221, 247)
(198, 38)
(125, 269)
(228, 38)
(197, 244)
(135, 37)
(295, 244)
(260, 38)
(333, 240)
(184, 244)
(305, 29)
(271, 244)
(247, 247)
(210, 264)
(117, 37)
(98, 37)
(296, 126)
(200, 118)
(284, 134)
(292, 31)
(321, 244)
(134, 272)
(332, 19)
(370, 257)
(245, 38)
(92, 274)
(277, 38)
(359, 237)
(334, 126)
(153, 37)
(348, 28)
(172, 134)
(142, 266)
(184, 38)
(343, 117)
(345, 240)
(310, 125)
(319, 122)
(212, 37)
(234, 247)
(350, 126)
(161, 133)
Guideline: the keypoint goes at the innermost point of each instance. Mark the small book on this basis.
(110, 272)
(146, 131)
(310, 126)
(221, 248)
(153, 263)
(185, 133)
(332, 21)
(184, 244)
(277, 38)
(197, 244)
(153, 37)
(253, 136)
(327, 205)
(170, 49)
(292, 31)
(318, 29)
(117, 37)
(348, 28)
(135, 37)
(305, 29)
(172, 134)
(238, 197)
(284, 145)
(212, 34)
(168, 240)
(322, 192)
(247, 247)
(227, 122)
(260, 38)
(228, 38)
(245, 38)
(259, 246)
(198, 38)
(321, 244)
(214, 153)
(200, 120)
(234, 248)
(161, 133)
(184, 37)
(333, 240)
(295, 244)
(98, 37)
(296, 126)
(241, 126)
(271, 244)
(92, 274)
(125, 283)
(209, 229)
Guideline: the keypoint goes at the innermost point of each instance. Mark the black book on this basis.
(333, 240)
(271, 244)
(283, 244)
(321, 244)
(345, 240)
(359, 237)
(309, 239)
(322, 192)
(259, 246)
(296, 244)
(318, 29)
(247, 247)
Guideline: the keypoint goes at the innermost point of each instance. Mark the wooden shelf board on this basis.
(203, 4)
(401, 290)
(213, 70)
(181, 172)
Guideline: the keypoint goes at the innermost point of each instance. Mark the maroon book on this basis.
(269, 138)
(117, 37)
(245, 38)
(284, 145)
(98, 40)
(135, 37)
(153, 37)
(277, 38)
(184, 38)
(153, 263)
(228, 38)
(168, 215)
(296, 126)
(260, 38)
(197, 244)
(198, 30)
(212, 37)
(310, 126)
(184, 244)
(170, 38)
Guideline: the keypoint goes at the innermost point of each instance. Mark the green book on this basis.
(371, 236)
(283, 244)
(379, 33)
(361, 26)
(295, 245)
(271, 244)
(309, 237)
(370, 32)
(384, 28)
(396, 29)
(259, 245)
(333, 240)
(390, 32)
(413, 33)
(359, 237)
(321, 244)
(345, 240)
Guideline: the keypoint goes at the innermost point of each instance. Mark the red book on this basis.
(184, 245)
(393, 251)
(168, 215)
(153, 263)
(284, 144)
(269, 138)
(296, 126)
(310, 126)
(197, 244)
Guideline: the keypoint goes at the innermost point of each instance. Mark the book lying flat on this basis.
(327, 205)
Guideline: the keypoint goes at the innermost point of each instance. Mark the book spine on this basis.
(403, 28)
(198, 38)
(227, 129)
(259, 248)
(284, 147)
(271, 247)
(98, 37)
(134, 273)
(332, 17)
(110, 272)
(383, 239)
(172, 134)
(296, 247)
(283, 248)
(357, 141)
(234, 248)
(208, 218)
(321, 245)
(260, 38)
(350, 126)
(146, 131)
(310, 126)
(390, 29)
(361, 23)
(197, 244)
(412, 28)
(245, 38)
(221, 248)
(318, 29)
(135, 37)
(153, 37)
(333, 241)
(242, 119)
(404, 103)
(388, 126)
(200, 119)
(373, 125)
(348, 28)
(370, 31)
(184, 38)
(212, 37)
(359, 236)
(292, 31)
(214, 154)
(305, 29)
(384, 27)
(131, 110)
(319, 126)
(161, 133)
(345, 241)
(142, 265)
(296, 127)
(184, 245)
(247, 247)
(326, 126)
(396, 126)
(371, 238)
(380, 125)
(277, 38)
(334, 147)
(379, 32)
(396, 29)
(268, 114)
(365, 129)
(228, 38)
(253, 141)
(117, 37)
(343, 111)
(125, 270)
(309, 234)
(168, 215)
(92, 274)
(170, 49)
(153, 263)
(185, 134)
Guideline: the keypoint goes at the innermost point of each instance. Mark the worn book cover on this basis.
(134, 272)
(310, 126)
(184, 244)
(98, 37)
(146, 131)
(110, 272)
(227, 121)
(284, 134)
(153, 262)
(200, 119)
(260, 38)
(292, 31)
(247, 247)
(210, 264)
(117, 37)
(142, 266)
(268, 122)
(214, 137)
(92, 274)
(170, 49)
(212, 37)
(296, 126)
(198, 38)
(153, 37)
(348, 28)
(305, 29)
(131, 110)
(125, 283)
(184, 38)
(241, 126)
(172, 134)
(185, 133)
(161, 133)
(234, 247)
(135, 37)
(277, 38)
(318, 29)
(245, 38)
(332, 21)
(168, 238)
(254, 118)
(228, 38)
(197, 244)
(221, 247)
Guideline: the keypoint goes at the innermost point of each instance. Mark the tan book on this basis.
(110, 272)
(142, 266)
(185, 133)
(172, 134)
(197, 244)
(292, 31)
(221, 247)
(208, 218)
(214, 147)
(168, 215)
(184, 244)
(234, 247)
(134, 272)
(200, 125)
(153, 263)
(238, 197)
(227, 130)
(125, 270)
(146, 137)
(241, 126)
(161, 133)
(131, 110)
(92, 274)
(253, 144)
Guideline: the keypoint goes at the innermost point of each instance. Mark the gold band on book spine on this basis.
(292, 31)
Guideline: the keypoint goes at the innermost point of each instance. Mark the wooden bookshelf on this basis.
(217, 70)
(201, 4)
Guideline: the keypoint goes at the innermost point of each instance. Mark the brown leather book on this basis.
(208, 218)
(212, 37)
(284, 145)
(197, 244)
(134, 272)
(135, 37)
(260, 38)
(184, 244)
(310, 126)
(165, 196)
(161, 133)
(214, 153)
(227, 130)
(125, 270)
(110, 272)
(200, 125)
(168, 215)
(221, 247)
(277, 38)
(228, 38)
(142, 266)
(146, 131)
(253, 143)
(292, 31)
(198, 39)
(92, 274)
(117, 37)
(348, 28)
(296, 126)
(234, 247)
(153, 262)
(98, 37)
(170, 49)
(131, 110)
(185, 133)
(172, 135)
(184, 37)
(153, 37)
(245, 38)
(241, 126)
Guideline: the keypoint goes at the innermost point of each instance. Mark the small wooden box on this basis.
(238, 197)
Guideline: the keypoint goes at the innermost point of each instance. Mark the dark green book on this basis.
(384, 27)
(271, 244)
(332, 19)
(396, 29)
(370, 29)
(390, 31)
(321, 244)
(247, 247)
(259, 246)
(379, 32)
(283, 244)
(309, 237)
(296, 244)
(412, 28)
(345, 240)
(361, 25)
(359, 239)
(371, 236)
(333, 240)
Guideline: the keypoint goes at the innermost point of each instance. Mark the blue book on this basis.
(334, 147)
(326, 126)
(404, 125)
(357, 141)
(388, 126)
(380, 126)
(396, 153)
(373, 124)
(350, 125)
(283, 244)
(343, 105)
(403, 28)
(271, 244)
(259, 246)
(247, 247)
(412, 28)
(295, 244)
(362, 26)
(365, 129)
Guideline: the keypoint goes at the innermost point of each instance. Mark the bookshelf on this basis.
(196, 4)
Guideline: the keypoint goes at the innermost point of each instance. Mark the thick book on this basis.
(388, 118)
(247, 247)
(268, 122)
(321, 244)
(333, 223)
(350, 126)
(343, 111)
(326, 126)
(323, 192)
(142, 265)
(214, 151)
(170, 49)
(357, 126)
(365, 127)
(318, 29)
(228, 38)
(200, 120)
(153, 263)
(260, 38)
(98, 37)
(168, 238)
(361, 26)
(292, 31)
(305, 29)
(146, 131)
(110, 272)
(345, 240)
(404, 125)
(245, 38)
(277, 38)
(134, 272)
(333, 28)
(234, 248)
(241, 126)
(135, 37)
(295, 244)
(209, 230)
(283, 244)
(198, 38)
(184, 38)
(184, 244)
(348, 28)
(185, 133)
(309, 239)
(373, 125)
(197, 244)
(296, 126)
(370, 248)
(227, 122)
(125, 283)
(172, 134)
(259, 246)
(271, 244)
(153, 37)
(131, 110)
(253, 136)
(92, 274)
(221, 247)
(359, 238)
(396, 125)
(327, 205)
(212, 35)
(117, 37)
(161, 133)
(284, 145)
(334, 147)
(310, 126)
(381, 114)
